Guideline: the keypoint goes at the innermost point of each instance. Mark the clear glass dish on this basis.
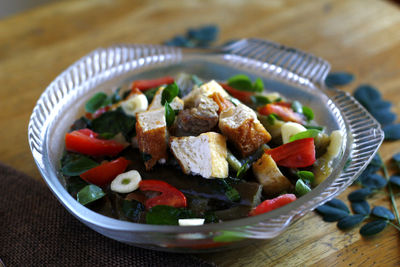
(295, 74)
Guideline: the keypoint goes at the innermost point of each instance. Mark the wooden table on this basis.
(362, 37)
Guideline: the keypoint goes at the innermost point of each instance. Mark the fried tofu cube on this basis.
(152, 135)
(270, 177)
(176, 104)
(241, 126)
(203, 155)
(207, 89)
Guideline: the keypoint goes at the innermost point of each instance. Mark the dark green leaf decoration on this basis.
(392, 132)
(331, 214)
(306, 176)
(339, 204)
(231, 193)
(169, 93)
(166, 215)
(271, 119)
(132, 209)
(77, 164)
(360, 207)
(243, 83)
(89, 194)
(75, 184)
(374, 181)
(338, 79)
(297, 106)
(169, 114)
(301, 188)
(316, 127)
(306, 134)
(373, 227)
(245, 167)
(383, 213)
(114, 122)
(150, 93)
(350, 221)
(395, 180)
(97, 101)
(360, 194)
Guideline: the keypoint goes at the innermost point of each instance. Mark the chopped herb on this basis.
(169, 114)
(308, 112)
(97, 101)
(259, 100)
(297, 106)
(319, 128)
(243, 83)
(77, 164)
(306, 134)
(245, 167)
(306, 176)
(150, 93)
(89, 194)
(271, 118)
(169, 93)
(301, 188)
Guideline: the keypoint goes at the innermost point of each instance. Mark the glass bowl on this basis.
(294, 74)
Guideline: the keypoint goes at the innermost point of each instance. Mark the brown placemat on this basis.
(35, 230)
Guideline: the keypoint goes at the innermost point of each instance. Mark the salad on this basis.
(184, 151)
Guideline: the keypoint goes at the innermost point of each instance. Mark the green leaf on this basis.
(259, 100)
(75, 184)
(382, 212)
(150, 93)
(308, 112)
(89, 194)
(241, 82)
(169, 114)
(169, 93)
(306, 134)
(166, 215)
(373, 227)
(301, 188)
(132, 209)
(306, 176)
(297, 106)
(350, 221)
(331, 214)
(114, 122)
(271, 118)
(96, 102)
(258, 85)
(360, 207)
(319, 128)
(231, 193)
(337, 203)
(245, 167)
(360, 194)
(338, 79)
(78, 165)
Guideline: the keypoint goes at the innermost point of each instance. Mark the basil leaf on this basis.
(306, 134)
(259, 100)
(373, 227)
(350, 221)
(308, 112)
(169, 114)
(169, 93)
(75, 184)
(241, 82)
(96, 102)
(258, 85)
(150, 93)
(338, 79)
(166, 215)
(89, 194)
(360, 207)
(383, 213)
(113, 122)
(78, 165)
(306, 176)
(297, 106)
(301, 188)
(132, 209)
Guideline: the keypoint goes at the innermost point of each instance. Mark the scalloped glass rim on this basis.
(278, 64)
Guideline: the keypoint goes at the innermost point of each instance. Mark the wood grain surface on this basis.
(359, 36)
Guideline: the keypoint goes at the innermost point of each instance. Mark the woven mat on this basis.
(35, 230)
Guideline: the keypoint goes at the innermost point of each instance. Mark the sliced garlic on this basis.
(134, 104)
(335, 144)
(126, 182)
(191, 222)
(289, 129)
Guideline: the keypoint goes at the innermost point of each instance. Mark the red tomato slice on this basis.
(106, 172)
(284, 112)
(241, 95)
(144, 85)
(271, 204)
(170, 196)
(85, 141)
(296, 154)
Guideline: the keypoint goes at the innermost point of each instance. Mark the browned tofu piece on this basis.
(151, 132)
(241, 126)
(270, 177)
